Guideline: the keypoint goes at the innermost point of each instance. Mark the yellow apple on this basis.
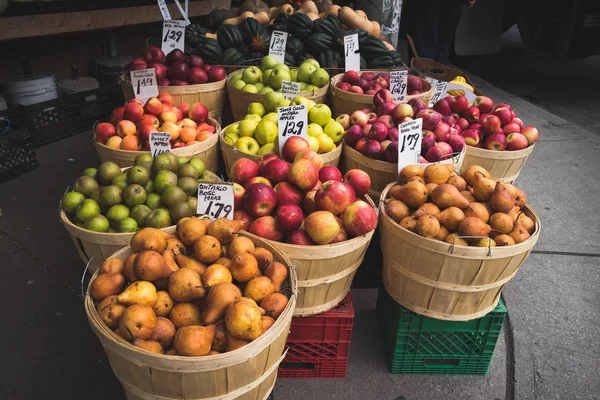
(325, 143)
(250, 88)
(256, 108)
(313, 142)
(233, 128)
(282, 103)
(235, 77)
(320, 114)
(239, 84)
(314, 129)
(265, 90)
(310, 104)
(334, 130)
(247, 145)
(253, 117)
(271, 117)
(230, 138)
(247, 127)
(266, 132)
(268, 148)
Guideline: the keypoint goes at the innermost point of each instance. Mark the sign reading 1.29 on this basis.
(173, 36)
(292, 121)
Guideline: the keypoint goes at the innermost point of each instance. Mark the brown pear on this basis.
(527, 223)
(166, 234)
(504, 240)
(409, 223)
(426, 209)
(485, 242)
(216, 273)
(514, 213)
(110, 311)
(180, 224)
(240, 245)
(430, 187)
(417, 179)
(258, 288)
(161, 284)
(223, 229)
(450, 218)
(128, 268)
(263, 257)
(243, 321)
(266, 322)
(477, 210)
(519, 234)
(219, 341)
(467, 194)
(394, 192)
(192, 230)
(397, 210)
(106, 285)
(139, 292)
(233, 343)
(458, 182)
(511, 189)
(442, 233)
(413, 194)
(170, 262)
(164, 332)
(164, 303)
(501, 200)
(190, 263)
(226, 261)
(428, 226)
(207, 249)
(408, 172)
(473, 226)
(111, 266)
(150, 265)
(469, 173)
(137, 322)
(175, 246)
(171, 352)
(277, 273)
(194, 341)
(149, 345)
(483, 188)
(454, 238)
(185, 285)
(501, 222)
(450, 167)
(219, 297)
(148, 239)
(184, 314)
(446, 195)
(520, 198)
(436, 173)
(244, 267)
(274, 304)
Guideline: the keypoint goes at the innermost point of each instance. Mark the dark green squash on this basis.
(324, 26)
(330, 59)
(303, 57)
(396, 58)
(300, 25)
(334, 20)
(232, 56)
(289, 59)
(280, 23)
(194, 34)
(319, 42)
(255, 35)
(210, 50)
(294, 46)
(229, 36)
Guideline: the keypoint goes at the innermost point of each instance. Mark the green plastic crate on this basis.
(421, 345)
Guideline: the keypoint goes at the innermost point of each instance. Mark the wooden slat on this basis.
(51, 24)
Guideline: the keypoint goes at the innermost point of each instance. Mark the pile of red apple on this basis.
(177, 69)
(370, 82)
(483, 124)
(130, 126)
(303, 203)
(374, 133)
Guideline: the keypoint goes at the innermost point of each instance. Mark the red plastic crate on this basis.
(324, 369)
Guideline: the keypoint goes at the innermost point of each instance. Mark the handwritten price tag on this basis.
(351, 52)
(215, 200)
(278, 45)
(290, 89)
(398, 85)
(164, 10)
(409, 143)
(291, 122)
(144, 84)
(159, 143)
(173, 36)
(439, 88)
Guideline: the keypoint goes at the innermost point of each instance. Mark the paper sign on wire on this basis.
(398, 85)
(278, 45)
(351, 54)
(159, 143)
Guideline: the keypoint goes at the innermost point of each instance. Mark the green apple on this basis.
(313, 62)
(325, 143)
(249, 145)
(305, 71)
(239, 84)
(268, 148)
(294, 74)
(320, 114)
(265, 90)
(271, 117)
(247, 127)
(259, 86)
(320, 78)
(250, 88)
(235, 77)
(230, 138)
(233, 128)
(296, 101)
(310, 104)
(271, 99)
(278, 76)
(253, 117)
(282, 103)
(252, 75)
(309, 88)
(335, 131)
(268, 62)
(313, 142)
(266, 77)
(256, 108)
(282, 66)
(266, 132)
(314, 129)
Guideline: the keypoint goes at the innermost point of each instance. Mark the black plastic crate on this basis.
(17, 154)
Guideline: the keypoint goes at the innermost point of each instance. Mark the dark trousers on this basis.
(432, 25)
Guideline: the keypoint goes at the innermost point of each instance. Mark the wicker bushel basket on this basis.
(207, 151)
(246, 373)
(343, 102)
(382, 172)
(231, 154)
(503, 165)
(213, 95)
(240, 100)
(443, 281)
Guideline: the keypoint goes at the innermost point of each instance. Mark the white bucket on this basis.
(28, 90)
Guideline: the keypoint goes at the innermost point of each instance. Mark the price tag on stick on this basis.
(398, 85)
(278, 45)
(159, 143)
(215, 200)
(144, 83)
(164, 10)
(290, 89)
(352, 56)
(173, 36)
(439, 88)
(409, 143)
(292, 121)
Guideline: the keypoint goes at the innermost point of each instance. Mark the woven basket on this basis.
(503, 165)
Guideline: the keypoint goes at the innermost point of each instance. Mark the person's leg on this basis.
(451, 11)
(425, 17)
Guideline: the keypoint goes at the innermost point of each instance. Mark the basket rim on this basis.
(366, 97)
(493, 154)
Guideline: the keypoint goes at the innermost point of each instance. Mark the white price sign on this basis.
(215, 200)
(144, 83)
(439, 88)
(164, 10)
(290, 89)
(291, 122)
(278, 45)
(398, 85)
(351, 52)
(409, 143)
(173, 36)
(454, 86)
(159, 143)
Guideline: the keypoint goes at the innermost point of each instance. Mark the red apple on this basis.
(496, 141)
(516, 141)
(304, 174)
(471, 136)
(359, 180)
(330, 173)
(443, 107)
(288, 217)
(292, 146)
(160, 70)
(457, 142)
(259, 199)
(373, 149)
(345, 86)
(198, 76)
(344, 120)
(477, 126)
(360, 144)
(417, 104)
(442, 132)
(471, 114)
(153, 106)
(198, 112)
(511, 127)
(449, 119)
(321, 226)
(366, 129)
(504, 114)
(393, 134)
(491, 124)
(144, 133)
(386, 108)
(154, 55)
(359, 118)
(207, 67)
(462, 123)
(238, 195)
(387, 120)
(359, 218)
(216, 74)
(342, 234)
(137, 64)
(445, 148)
(518, 122)
(385, 144)
(287, 193)
(353, 134)
(382, 96)
(264, 160)
(310, 155)
(414, 83)
(459, 103)
(243, 169)
(266, 227)
(308, 202)
(485, 104)
(350, 77)
(428, 140)
(363, 84)
(133, 111)
(382, 83)
(402, 110)
(430, 117)
(175, 55)
(369, 76)
(104, 130)
(356, 89)
(257, 179)
(276, 170)
(195, 61)
(378, 132)
(434, 154)
(334, 196)
(241, 215)
(531, 133)
(391, 152)
(164, 82)
(372, 118)
(301, 238)
(179, 71)
(116, 115)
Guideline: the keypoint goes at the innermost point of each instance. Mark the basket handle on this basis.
(489, 246)
(83, 277)
(412, 46)
(61, 200)
(293, 267)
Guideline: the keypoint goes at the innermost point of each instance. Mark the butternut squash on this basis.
(284, 9)
(350, 18)
(262, 17)
(361, 14)
(388, 45)
(237, 20)
(335, 9)
(308, 7)
(211, 35)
